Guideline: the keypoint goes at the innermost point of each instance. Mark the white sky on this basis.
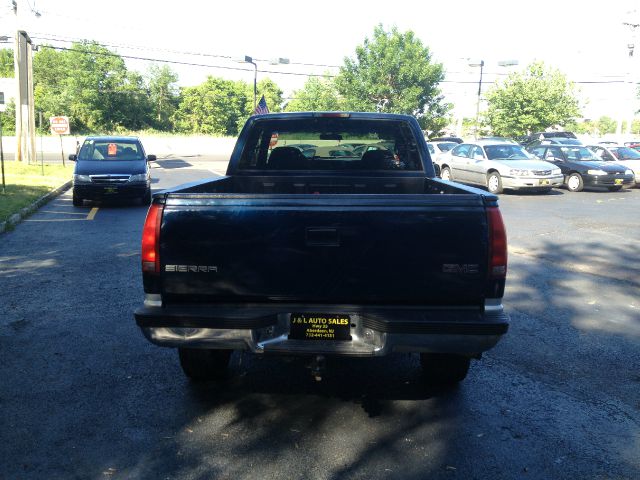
(586, 40)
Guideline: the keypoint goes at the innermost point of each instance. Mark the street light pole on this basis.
(479, 94)
(481, 65)
(248, 59)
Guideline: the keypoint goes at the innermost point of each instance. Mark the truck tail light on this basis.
(497, 244)
(151, 240)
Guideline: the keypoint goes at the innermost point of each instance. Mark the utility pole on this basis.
(632, 22)
(25, 115)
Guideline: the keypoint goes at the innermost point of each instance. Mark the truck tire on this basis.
(200, 364)
(575, 183)
(444, 368)
(494, 183)
(77, 201)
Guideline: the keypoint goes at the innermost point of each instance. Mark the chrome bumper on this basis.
(371, 335)
(532, 182)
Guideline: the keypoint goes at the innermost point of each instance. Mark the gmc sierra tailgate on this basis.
(348, 249)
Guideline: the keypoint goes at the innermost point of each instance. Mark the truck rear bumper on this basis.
(374, 332)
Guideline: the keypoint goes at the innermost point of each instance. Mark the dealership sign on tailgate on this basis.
(59, 125)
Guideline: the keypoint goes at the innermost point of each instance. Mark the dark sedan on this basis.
(581, 168)
(111, 168)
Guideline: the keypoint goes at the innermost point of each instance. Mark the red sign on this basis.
(59, 125)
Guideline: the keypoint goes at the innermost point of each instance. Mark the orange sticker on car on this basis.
(112, 149)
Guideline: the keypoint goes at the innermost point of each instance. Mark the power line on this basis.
(60, 38)
(177, 62)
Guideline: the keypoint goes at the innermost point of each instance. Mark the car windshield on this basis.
(334, 143)
(625, 153)
(579, 154)
(110, 149)
(506, 152)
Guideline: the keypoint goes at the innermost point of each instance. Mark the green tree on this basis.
(606, 125)
(92, 86)
(164, 94)
(215, 107)
(394, 72)
(8, 118)
(531, 101)
(6, 63)
(318, 94)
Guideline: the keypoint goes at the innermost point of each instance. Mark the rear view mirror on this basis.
(151, 158)
(73, 157)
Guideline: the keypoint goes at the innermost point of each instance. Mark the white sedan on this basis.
(498, 165)
(620, 154)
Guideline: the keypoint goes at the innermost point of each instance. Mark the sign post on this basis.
(60, 126)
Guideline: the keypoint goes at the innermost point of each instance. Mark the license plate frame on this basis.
(334, 327)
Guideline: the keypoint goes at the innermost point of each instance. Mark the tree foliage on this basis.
(531, 101)
(164, 94)
(391, 72)
(214, 107)
(394, 72)
(92, 86)
(317, 95)
(6, 63)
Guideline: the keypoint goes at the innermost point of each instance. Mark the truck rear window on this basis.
(331, 144)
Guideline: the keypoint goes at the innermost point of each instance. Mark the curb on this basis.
(26, 211)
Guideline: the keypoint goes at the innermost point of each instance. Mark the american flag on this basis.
(262, 107)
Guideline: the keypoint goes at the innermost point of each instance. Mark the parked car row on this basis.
(543, 165)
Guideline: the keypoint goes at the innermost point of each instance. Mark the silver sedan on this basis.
(498, 165)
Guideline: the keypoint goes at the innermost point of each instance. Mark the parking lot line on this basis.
(92, 213)
(60, 212)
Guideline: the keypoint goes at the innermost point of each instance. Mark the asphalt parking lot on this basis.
(84, 395)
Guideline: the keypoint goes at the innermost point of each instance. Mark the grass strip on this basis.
(26, 183)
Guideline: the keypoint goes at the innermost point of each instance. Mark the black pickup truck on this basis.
(310, 247)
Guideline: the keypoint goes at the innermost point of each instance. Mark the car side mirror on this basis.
(73, 157)
(151, 158)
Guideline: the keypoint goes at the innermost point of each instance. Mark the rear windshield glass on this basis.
(446, 146)
(579, 154)
(106, 150)
(331, 144)
(506, 152)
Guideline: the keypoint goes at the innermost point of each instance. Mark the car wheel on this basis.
(444, 368)
(494, 182)
(77, 201)
(615, 189)
(445, 174)
(200, 364)
(575, 183)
